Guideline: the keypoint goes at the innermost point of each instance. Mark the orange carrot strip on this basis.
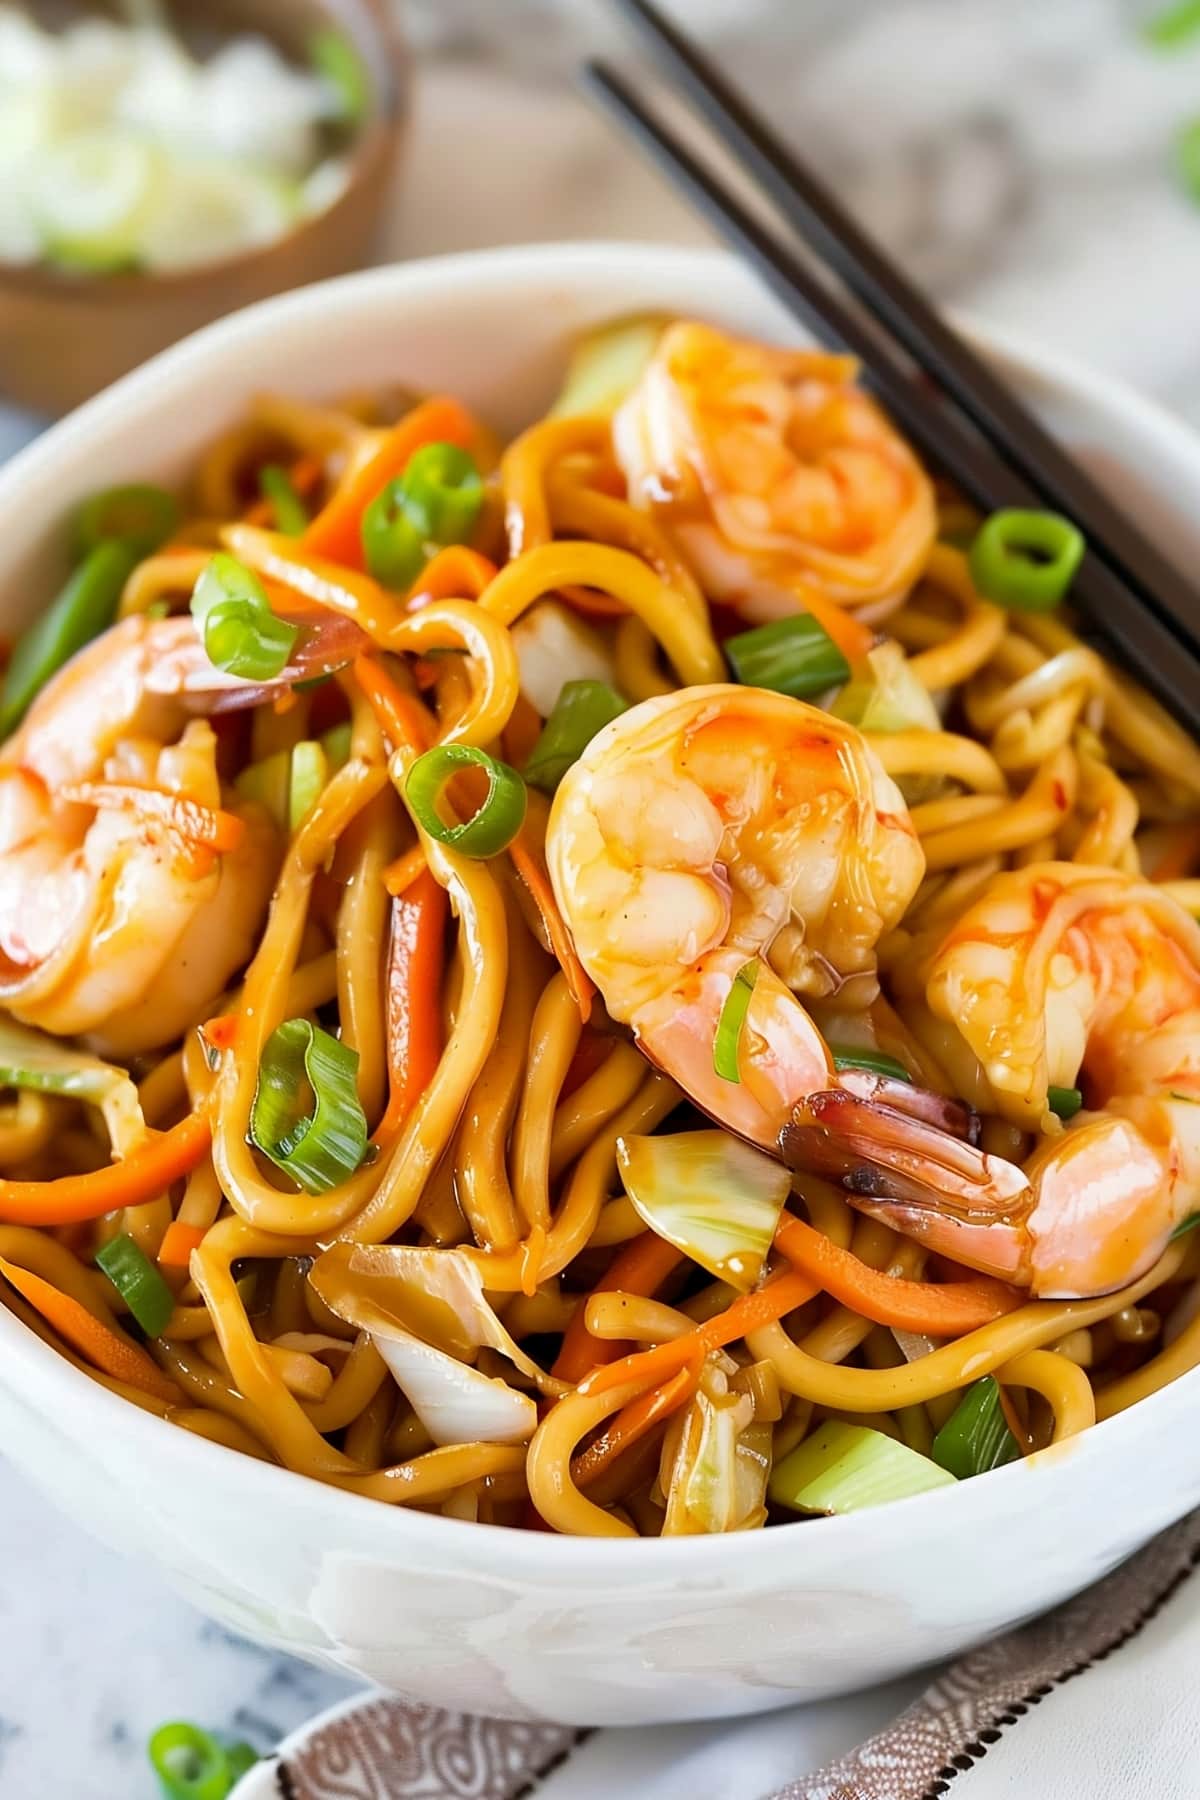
(748, 1313)
(851, 636)
(632, 1423)
(113, 1355)
(336, 532)
(413, 998)
(179, 1240)
(639, 1267)
(221, 1033)
(455, 573)
(938, 1309)
(399, 876)
(403, 719)
(530, 863)
(142, 1176)
(207, 825)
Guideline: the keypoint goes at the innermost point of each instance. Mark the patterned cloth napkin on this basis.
(1011, 1718)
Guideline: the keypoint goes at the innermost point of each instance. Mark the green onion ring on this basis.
(319, 1144)
(498, 819)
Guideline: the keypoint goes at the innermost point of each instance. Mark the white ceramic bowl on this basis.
(530, 1624)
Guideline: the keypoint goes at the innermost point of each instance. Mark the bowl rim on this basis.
(366, 156)
(525, 1554)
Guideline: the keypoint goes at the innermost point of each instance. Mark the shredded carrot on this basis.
(113, 1355)
(852, 637)
(455, 573)
(632, 1424)
(403, 719)
(413, 998)
(179, 1240)
(530, 863)
(748, 1313)
(639, 1267)
(938, 1309)
(221, 1033)
(208, 826)
(336, 532)
(142, 1176)
(399, 876)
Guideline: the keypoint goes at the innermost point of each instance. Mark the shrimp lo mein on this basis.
(643, 980)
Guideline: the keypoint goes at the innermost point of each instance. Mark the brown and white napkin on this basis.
(1096, 1700)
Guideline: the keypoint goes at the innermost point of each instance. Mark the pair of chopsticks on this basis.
(968, 423)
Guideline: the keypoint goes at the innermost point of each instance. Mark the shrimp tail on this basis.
(909, 1159)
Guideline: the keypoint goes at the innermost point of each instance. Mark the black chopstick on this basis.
(882, 287)
(1148, 645)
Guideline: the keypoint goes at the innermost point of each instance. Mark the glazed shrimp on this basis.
(775, 473)
(714, 825)
(1059, 972)
(113, 914)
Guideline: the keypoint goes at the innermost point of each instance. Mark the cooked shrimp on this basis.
(111, 916)
(714, 825)
(1060, 972)
(776, 473)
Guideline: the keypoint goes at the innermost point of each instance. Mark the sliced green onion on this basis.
(138, 1282)
(436, 501)
(715, 1197)
(86, 606)
(976, 1437)
(308, 775)
(242, 636)
(393, 544)
(1184, 1226)
(582, 709)
(1026, 560)
(843, 1468)
(1173, 25)
(307, 1116)
(848, 1056)
(191, 1764)
(1066, 1102)
(727, 1041)
(498, 819)
(793, 656)
(605, 367)
(143, 516)
(443, 492)
(291, 514)
(336, 59)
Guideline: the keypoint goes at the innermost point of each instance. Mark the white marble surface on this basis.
(1016, 153)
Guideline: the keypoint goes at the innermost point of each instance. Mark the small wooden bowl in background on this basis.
(64, 336)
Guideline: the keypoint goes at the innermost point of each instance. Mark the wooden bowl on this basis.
(64, 336)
